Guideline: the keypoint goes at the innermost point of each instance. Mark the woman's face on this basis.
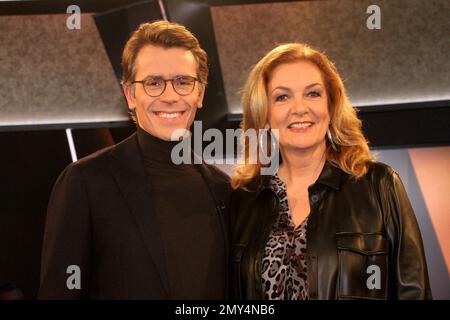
(298, 105)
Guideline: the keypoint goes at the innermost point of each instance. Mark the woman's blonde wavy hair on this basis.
(352, 153)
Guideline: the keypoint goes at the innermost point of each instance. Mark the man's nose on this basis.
(169, 95)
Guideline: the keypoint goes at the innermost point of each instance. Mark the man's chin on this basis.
(166, 132)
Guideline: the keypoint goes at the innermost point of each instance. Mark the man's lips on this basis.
(168, 114)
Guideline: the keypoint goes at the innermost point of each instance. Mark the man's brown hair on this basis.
(167, 35)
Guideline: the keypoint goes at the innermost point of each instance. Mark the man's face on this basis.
(161, 115)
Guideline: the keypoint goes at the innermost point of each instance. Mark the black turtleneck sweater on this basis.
(189, 225)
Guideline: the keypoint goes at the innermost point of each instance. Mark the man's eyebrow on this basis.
(307, 87)
(153, 76)
(157, 76)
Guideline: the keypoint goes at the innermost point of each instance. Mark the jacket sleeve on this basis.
(65, 263)
(409, 269)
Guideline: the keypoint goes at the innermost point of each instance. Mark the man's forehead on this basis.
(154, 60)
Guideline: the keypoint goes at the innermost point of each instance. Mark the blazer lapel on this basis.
(128, 170)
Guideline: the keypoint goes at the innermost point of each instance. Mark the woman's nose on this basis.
(299, 105)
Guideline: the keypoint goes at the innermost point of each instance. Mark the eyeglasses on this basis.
(155, 86)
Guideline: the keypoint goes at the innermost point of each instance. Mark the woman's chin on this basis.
(300, 146)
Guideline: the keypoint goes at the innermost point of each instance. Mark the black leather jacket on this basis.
(363, 241)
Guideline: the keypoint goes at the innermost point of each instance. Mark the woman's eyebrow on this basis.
(312, 85)
(288, 89)
(280, 87)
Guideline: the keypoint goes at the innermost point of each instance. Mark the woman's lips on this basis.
(300, 126)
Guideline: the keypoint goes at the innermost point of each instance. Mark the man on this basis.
(126, 222)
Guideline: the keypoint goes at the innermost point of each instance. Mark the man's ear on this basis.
(201, 95)
(128, 90)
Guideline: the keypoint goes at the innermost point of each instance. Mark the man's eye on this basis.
(153, 83)
(314, 94)
(184, 81)
(281, 97)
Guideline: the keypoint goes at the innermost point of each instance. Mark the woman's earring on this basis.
(263, 135)
(261, 142)
(272, 161)
(330, 138)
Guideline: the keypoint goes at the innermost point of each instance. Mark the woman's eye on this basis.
(313, 94)
(281, 97)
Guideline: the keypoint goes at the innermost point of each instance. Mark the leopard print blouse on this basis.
(284, 270)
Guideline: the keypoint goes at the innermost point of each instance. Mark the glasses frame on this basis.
(165, 85)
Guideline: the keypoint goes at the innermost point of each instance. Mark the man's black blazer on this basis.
(100, 219)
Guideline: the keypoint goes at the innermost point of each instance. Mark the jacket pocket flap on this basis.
(363, 243)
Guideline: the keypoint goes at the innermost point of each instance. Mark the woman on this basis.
(331, 223)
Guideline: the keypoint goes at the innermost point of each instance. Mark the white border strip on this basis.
(73, 152)
(163, 10)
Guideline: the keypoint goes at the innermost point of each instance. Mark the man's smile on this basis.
(168, 115)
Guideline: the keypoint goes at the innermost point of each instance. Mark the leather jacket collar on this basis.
(330, 176)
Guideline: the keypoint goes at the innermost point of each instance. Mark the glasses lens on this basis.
(154, 86)
(183, 85)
